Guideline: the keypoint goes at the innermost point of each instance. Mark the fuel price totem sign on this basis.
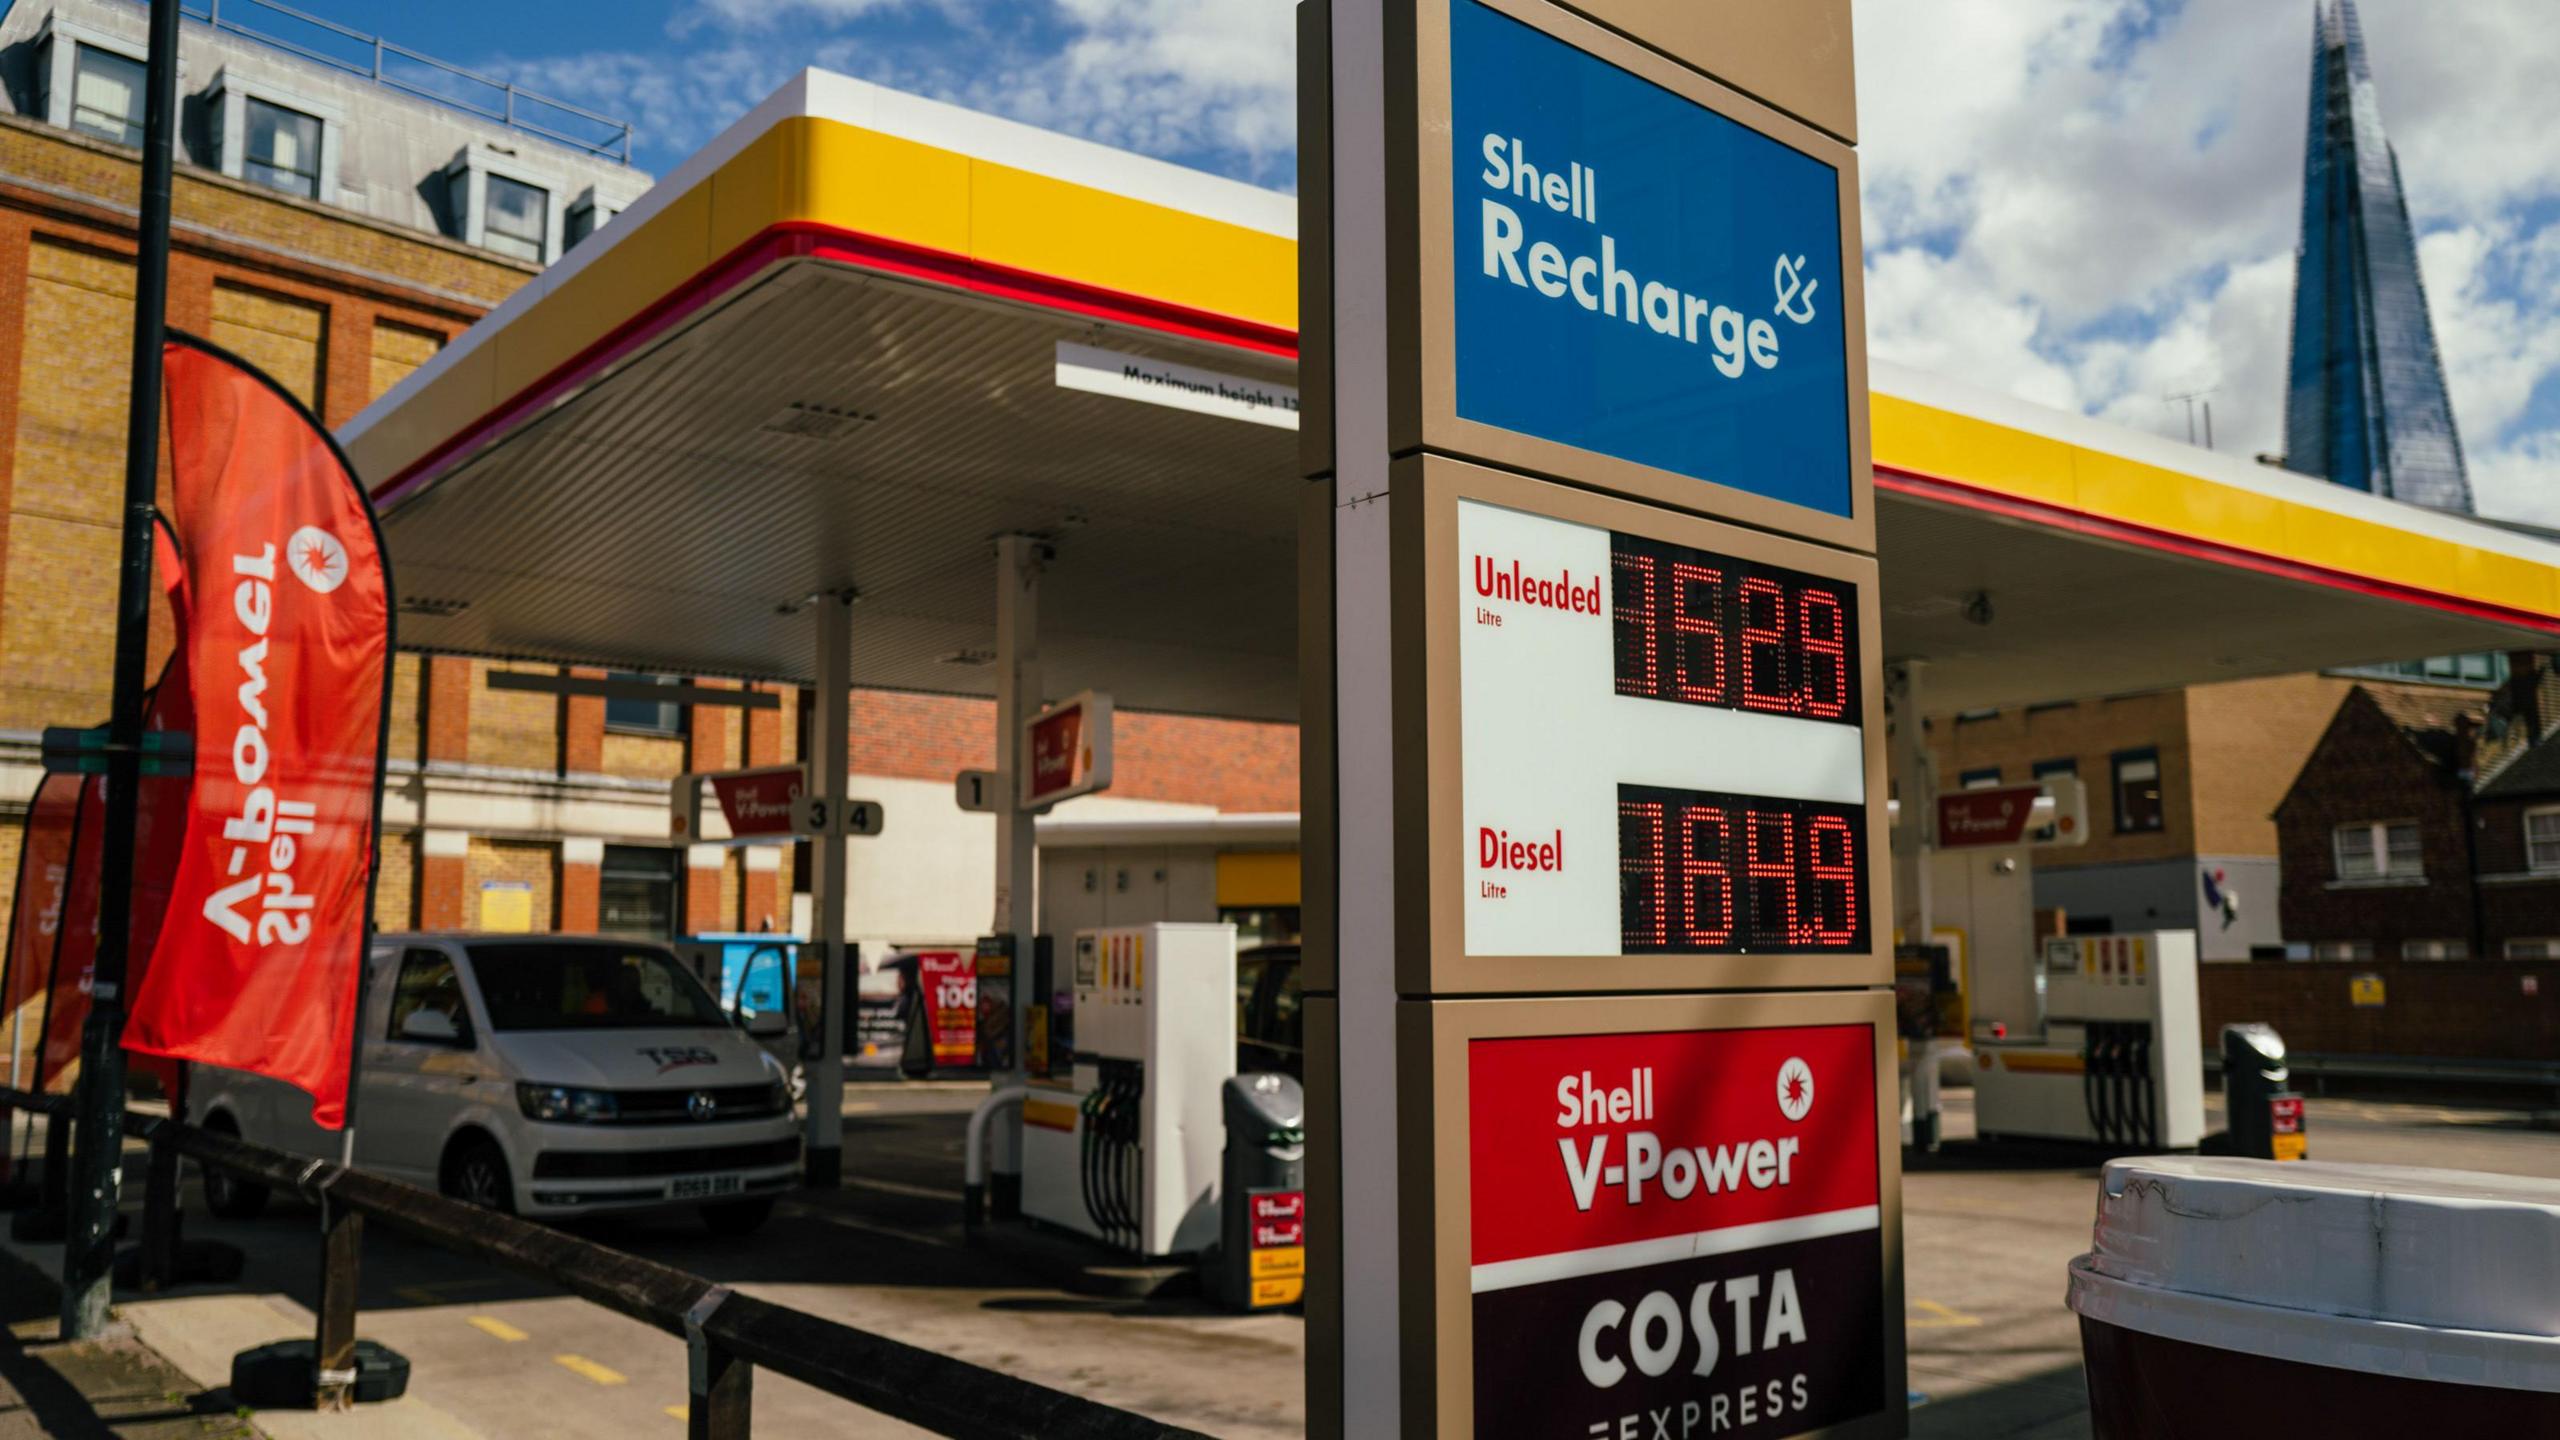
(1598, 955)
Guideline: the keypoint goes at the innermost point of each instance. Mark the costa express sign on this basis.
(1676, 1234)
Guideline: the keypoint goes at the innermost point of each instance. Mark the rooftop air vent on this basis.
(816, 422)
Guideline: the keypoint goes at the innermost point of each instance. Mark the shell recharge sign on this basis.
(284, 619)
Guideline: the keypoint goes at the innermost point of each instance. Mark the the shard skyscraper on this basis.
(2365, 401)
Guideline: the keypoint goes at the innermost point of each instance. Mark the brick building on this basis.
(338, 231)
(2182, 784)
(2376, 832)
(2421, 854)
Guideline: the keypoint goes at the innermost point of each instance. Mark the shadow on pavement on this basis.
(105, 1390)
(2000, 1155)
(896, 1223)
(2049, 1405)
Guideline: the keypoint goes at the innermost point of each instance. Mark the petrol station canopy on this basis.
(824, 353)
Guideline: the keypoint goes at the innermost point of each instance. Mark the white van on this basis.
(543, 1075)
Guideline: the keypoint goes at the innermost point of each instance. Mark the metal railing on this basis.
(727, 1335)
(398, 67)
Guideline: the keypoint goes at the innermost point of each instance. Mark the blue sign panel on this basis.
(1639, 276)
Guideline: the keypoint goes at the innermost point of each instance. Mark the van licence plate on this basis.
(702, 1187)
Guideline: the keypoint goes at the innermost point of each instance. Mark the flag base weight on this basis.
(282, 1376)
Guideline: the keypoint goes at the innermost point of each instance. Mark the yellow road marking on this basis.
(433, 1292)
(1944, 1318)
(581, 1365)
(495, 1326)
(681, 1412)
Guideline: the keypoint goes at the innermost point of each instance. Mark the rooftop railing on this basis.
(396, 66)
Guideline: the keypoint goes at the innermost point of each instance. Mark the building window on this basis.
(645, 717)
(1975, 717)
(2482, 669)
(1982, 779)
(2543, 949)
(106, 95)
(2435, 949)
(282, 149)
(2542, 838)
(519, 219)
(2379, 850)
(2043, 768)
(2343, 950)
(636, 891)
(2137, 777)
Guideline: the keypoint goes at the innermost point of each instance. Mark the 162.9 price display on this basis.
(1731, 873)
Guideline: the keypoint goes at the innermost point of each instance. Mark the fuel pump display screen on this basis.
(1663, 745)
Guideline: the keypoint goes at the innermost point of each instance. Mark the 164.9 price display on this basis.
(1722, 872)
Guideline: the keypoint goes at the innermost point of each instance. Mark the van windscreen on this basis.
(536, 986)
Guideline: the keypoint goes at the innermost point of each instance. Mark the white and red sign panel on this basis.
(948, 980)
(1663, 747)
(1683, 1224)
(760, 802)
(1994, 816)
(1067, 750)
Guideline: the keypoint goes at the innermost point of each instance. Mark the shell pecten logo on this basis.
(317, 558)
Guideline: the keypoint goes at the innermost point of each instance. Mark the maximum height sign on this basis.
(1572, 744)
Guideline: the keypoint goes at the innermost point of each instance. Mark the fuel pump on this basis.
(1122, 1144)
(2112, 1052)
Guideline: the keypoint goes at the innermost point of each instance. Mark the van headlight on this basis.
(566, 1103)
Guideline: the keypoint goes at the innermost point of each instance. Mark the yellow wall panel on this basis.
(1257, 879)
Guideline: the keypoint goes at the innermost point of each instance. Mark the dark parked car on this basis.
(1269, 1033)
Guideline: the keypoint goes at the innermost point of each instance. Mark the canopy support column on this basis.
(830, 763)
(1915, 784)
(1018, 562)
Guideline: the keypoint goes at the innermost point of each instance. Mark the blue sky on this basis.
(2088, 203)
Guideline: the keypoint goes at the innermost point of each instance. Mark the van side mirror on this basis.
(768, 1024)
(432, 1026)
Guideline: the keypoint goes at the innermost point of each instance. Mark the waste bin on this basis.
(2265, 1115)
(1261, 1259)
(2223, 1296)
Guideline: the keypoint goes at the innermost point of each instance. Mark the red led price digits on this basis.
(1702, 873)
(1696, 628)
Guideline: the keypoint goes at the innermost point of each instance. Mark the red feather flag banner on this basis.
(45, 857)
(285, 653)
(53, 939)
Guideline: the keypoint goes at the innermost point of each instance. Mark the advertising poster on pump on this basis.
(1675, 1235)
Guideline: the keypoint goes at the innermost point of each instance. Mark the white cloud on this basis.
(2094, 203)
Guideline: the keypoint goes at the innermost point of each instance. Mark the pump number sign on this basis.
(1662, 740)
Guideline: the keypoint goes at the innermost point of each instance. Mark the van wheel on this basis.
(738, 1217)
(476, 1174)
(226, 1194)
